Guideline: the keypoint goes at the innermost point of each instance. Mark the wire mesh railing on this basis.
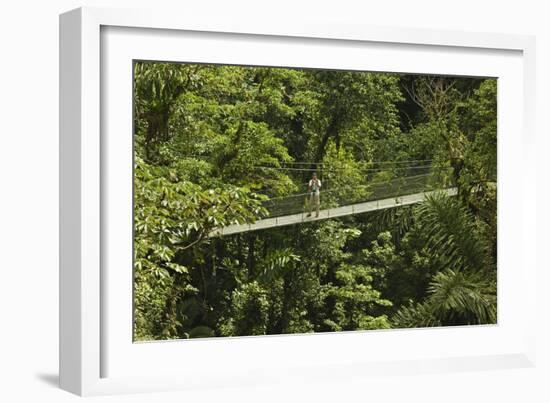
(346, 194)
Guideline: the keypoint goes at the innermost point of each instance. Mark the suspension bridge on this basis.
(341, 195)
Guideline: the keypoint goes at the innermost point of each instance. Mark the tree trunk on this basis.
(331, 131)
(240, 254)
(251, 257)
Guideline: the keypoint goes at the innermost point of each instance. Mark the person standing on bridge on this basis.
(314, 189)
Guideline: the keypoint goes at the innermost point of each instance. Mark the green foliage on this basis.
(276, 263)
(463, 290)
(250, 308)
(355, 300)
(463, 297)
(215, 144)
(451, 233)
(345, 176)
(455, 298)
(171, 216)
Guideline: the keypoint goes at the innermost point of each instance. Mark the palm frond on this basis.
(451, 233)
(398, 220)
(463, 297)
(456, 298)
(415, 315)
(275, 263)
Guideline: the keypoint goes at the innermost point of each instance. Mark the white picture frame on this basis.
(96, 354)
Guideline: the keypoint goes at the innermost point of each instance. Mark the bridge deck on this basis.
(330, 213)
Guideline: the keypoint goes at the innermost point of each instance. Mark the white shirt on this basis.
(315, 188)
